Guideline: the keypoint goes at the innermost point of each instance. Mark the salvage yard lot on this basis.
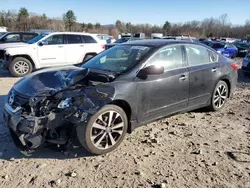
(197, 149)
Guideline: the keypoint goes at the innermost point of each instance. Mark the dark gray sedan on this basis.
(115, 92)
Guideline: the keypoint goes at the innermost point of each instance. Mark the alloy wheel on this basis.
(220, 96)
(21, 67)
(107, 130)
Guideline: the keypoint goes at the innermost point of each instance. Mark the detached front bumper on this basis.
(26, 130)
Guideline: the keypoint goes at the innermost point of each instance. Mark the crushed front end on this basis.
(50, 116)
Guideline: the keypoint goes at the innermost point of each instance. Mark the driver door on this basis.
(52, 52)
(167, 93)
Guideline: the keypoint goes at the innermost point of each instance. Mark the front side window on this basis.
(197, 55)
(54, 40)
(74, 39)
(120, 58)
(11, 38)
(170, 58)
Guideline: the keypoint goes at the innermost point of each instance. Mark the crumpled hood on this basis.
(47, 82)
(10, 45)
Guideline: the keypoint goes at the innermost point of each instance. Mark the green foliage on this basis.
(69, 19)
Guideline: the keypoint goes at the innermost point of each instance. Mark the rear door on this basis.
(75, 49)
(52, 53)
(203, 73)
(161, 95)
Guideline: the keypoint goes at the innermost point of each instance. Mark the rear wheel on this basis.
(219, 97)
(104, 131)
(20, 67)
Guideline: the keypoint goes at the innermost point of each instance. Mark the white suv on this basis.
(55, 49)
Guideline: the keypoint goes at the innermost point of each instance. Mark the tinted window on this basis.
(27, 37)
(88, 39)
(74, 39)
(169, 57)
(11, 38)
(217, 45)
(55, 39)
(197, 55)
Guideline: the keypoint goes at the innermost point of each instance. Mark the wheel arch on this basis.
(126, 108)
(227, 80)
(25, 56)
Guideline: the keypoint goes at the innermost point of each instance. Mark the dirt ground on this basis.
(197, 149)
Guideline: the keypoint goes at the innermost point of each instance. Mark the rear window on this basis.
(27, 37)
(74, 39)
(88, 39)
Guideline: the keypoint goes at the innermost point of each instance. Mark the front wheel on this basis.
(104, 131)
(20, 67)
(219, 96)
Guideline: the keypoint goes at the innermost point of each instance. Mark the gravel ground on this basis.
(197, 149)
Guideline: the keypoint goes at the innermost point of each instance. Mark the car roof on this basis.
(21, 32)
(73, 33)
(157, 42)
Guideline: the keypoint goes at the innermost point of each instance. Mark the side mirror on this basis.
(43, 42)
(150, 70)
(225, 47)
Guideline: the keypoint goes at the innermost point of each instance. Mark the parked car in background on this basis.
(243, 48)
(246, 65)
(103, 38)
(41, 31)
(226, 49)
(121, 40)
(227, 40)
(14, 39)
(118, 90)
(206, 42)
(54, 49)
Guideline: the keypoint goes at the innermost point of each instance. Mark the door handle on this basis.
(60, 46)
(182, 78)
(81, 45)
(214, 69)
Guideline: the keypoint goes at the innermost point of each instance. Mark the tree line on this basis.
(23, 20)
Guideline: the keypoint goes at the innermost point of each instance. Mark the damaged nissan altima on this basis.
(114, 92)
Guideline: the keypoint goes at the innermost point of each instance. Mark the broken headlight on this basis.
(64, 103)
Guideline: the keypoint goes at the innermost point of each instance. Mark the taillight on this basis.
(103, 46)
(235, 66)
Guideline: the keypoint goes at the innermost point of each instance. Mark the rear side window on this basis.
(27, 37)
(197, 55)
(12, 38)
(169, 57)
(74, 39)
(88, 39)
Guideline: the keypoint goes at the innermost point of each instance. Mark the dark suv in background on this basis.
(12, 37)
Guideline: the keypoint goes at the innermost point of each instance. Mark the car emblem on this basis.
(11, 99)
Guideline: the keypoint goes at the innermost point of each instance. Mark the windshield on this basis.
(2, 34)
(120, 58)
(217, 45)
(36, 39)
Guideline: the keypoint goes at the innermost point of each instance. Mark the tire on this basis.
(21, 63)
(102, 144)
(218, 101)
